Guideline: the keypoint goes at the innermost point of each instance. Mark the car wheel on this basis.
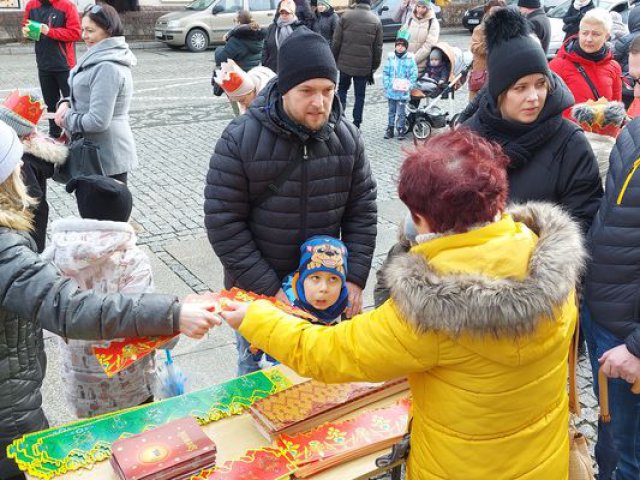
(421, 129)
(197, 40)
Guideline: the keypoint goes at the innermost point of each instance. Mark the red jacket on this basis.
(55, 51)
(605, 75)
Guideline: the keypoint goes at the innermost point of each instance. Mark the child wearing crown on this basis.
(318, 285)
(22, 112)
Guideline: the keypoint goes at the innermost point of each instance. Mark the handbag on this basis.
(580, 463)
(477, 79)
(83, 159)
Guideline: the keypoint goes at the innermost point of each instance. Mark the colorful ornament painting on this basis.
(263, 464)
(56, 451)
(117, 355)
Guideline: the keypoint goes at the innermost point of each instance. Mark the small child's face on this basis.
(322, 289)
(400, 48)
(434, 62)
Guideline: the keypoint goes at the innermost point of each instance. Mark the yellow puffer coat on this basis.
(481, 323)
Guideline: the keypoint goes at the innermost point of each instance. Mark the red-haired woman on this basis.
(480, 319)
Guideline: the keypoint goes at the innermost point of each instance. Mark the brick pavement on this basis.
(176, 122)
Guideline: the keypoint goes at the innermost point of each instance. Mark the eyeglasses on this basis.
(630, 81)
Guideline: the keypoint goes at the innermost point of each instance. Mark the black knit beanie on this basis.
(529, 3)
(102, 198)
(302, 56)
(512, 51)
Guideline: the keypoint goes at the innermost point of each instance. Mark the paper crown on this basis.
(601, 116)
(233, 80)
(27, 106)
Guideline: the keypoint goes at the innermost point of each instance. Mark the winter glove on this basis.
(370, 80)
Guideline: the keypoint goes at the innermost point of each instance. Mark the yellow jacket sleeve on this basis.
(374, 346)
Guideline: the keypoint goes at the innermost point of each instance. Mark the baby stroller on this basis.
(422, 119)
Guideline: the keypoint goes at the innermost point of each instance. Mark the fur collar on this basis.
(45, 149)
(480, 305)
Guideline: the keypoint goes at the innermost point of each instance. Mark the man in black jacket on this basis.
(288, 169)
(55, 50)
(621, 51)
(533, 11)
(357, 46)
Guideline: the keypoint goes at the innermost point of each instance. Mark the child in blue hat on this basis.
(319, 285)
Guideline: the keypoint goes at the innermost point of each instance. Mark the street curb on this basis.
(18, 49)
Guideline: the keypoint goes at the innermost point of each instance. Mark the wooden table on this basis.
(235, 435)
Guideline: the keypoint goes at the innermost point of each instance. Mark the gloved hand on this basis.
(370, 80)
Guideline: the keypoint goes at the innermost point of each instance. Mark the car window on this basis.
(200, 5)
(560, 11)
(261, 5)
(230, 6)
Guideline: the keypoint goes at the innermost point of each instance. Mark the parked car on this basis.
(385, 10)
(472, 17)
(204, 22)
(557, 13)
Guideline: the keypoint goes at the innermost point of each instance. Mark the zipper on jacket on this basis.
(303, 194)
(623, 190)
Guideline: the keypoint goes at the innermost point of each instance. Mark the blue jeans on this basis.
(618, 446)
(397, 107)
(247, 361)
(360, 87)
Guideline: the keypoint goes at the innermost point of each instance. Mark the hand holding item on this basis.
(620, 363)
(355, 300)
(197, 317)
(44, 29)
(32, 30)
(61, 113)
(283, 297)
(234, 313)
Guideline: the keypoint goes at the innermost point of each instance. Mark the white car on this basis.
(555, 18)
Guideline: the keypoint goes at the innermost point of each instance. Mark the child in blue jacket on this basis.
(399, 76)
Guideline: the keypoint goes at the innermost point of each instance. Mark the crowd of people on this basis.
(510, 242)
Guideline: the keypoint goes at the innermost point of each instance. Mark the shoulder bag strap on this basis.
(594, 90)
(274, 187)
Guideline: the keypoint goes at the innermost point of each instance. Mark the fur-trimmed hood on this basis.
(478, 305)
(45, 149)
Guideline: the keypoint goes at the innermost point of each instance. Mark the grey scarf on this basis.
(284, 29)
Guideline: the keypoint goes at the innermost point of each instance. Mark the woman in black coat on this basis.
(244, 43)
(326, 20)
(285, 22)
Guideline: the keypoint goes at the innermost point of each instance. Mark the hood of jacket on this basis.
(568, 51)
(248, 32)
(78, 243)
(633, 21)
(460, 284)
(266, 110)
(45, 149)
(112, 49)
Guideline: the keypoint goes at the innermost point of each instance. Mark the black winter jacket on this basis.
(357, 42)
(621, 47)
(551, 159)
(572, 19)
(326, 24)
(331, 192)
(270, 48)
(244, 46)
(541, 27)
(613, 279)
(34, 296)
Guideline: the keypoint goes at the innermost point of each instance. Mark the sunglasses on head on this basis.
(630, 81)
(95, 9)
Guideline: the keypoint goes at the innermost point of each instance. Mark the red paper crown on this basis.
(26, 106)
(233, 83)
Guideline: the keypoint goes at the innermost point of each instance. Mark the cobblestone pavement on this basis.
(176, 122)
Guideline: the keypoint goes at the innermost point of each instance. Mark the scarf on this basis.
(284, 29)
(518, 140)
(593, 57)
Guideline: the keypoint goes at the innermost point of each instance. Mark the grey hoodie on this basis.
(101, 90)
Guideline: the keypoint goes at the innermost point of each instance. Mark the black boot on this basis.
(389, 133)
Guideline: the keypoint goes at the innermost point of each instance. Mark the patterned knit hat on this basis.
(234, 81)
(322, 254)
(22, 112)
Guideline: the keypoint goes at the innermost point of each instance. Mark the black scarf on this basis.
(593, 57)
(518, 140)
